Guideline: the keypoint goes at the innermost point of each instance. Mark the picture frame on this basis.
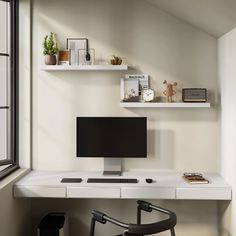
(129, 90)
(82, 56)
(64, 57)
(74, 45)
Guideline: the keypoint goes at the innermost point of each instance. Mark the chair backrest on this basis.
(139, 229)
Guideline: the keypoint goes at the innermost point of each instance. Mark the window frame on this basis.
(13, 161)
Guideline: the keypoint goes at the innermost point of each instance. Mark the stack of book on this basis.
(195, 178)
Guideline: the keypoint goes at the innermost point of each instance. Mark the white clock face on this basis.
(148, 95)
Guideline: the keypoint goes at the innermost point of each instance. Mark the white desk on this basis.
(166, 185)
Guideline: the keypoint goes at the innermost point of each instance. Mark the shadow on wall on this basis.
(157, 148)
(146, 36)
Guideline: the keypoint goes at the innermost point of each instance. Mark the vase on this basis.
(50, 60)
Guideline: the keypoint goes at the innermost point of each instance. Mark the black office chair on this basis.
(138, 229)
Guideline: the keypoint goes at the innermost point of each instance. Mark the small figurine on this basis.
(169, 92)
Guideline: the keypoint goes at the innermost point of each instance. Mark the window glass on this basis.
(3, 134)
(4, 26)
(8, 86)
(4, 80)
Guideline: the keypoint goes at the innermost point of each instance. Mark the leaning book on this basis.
(143, 80)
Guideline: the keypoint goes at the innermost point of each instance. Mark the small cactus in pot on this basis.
(50, 49)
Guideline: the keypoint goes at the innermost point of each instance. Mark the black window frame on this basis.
(13, 160)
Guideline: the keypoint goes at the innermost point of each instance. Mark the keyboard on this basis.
(112, 180)
(71, 180)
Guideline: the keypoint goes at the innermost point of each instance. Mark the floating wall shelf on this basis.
(164, 105)
(86, 68)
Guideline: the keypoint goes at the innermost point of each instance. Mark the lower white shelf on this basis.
(165, 105)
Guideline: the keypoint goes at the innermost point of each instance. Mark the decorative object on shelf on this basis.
(148, 95)
(64, 57)
(116, 60)
(84, 55)
(129, 90)
(75, 44)
(87, 56)
(50, 49)
(194, 95)
(143, 80)
(169, 92)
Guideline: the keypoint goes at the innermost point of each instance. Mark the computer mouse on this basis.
(149, 181)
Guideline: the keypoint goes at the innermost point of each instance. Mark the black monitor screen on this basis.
(111, 137)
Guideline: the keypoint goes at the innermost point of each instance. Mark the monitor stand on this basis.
(112, 166)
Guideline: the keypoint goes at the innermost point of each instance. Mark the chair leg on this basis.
(172, 232)
(92, 227)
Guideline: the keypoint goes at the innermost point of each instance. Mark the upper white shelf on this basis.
(86, 68)
(165, 105)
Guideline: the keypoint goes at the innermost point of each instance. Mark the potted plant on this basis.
(50, 49)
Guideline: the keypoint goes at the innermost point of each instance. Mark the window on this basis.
(8, 86)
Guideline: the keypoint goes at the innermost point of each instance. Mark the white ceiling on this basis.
(215, 17)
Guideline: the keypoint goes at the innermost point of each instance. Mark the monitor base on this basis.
(108, 172)
(112, 166)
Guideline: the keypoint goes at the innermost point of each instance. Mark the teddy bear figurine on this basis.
(169, 92)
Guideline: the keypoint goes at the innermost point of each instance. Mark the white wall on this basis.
(227, 75)
(152, 42)
(25, 83)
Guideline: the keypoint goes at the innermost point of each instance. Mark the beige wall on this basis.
(14, 214)
(151, 42)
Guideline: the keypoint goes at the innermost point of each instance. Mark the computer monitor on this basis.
(112, 138)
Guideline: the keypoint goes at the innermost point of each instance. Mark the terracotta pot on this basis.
(50, 60)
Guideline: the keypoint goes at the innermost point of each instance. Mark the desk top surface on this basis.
(166, 185)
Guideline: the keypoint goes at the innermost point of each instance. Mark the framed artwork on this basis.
(74, 45)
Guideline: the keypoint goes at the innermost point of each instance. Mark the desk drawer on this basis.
(39, 192)
(148, 193)
(93, 192)
(204, 193)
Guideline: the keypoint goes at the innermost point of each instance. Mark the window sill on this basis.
(13, 177)
(2, 168)
(7, 169)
